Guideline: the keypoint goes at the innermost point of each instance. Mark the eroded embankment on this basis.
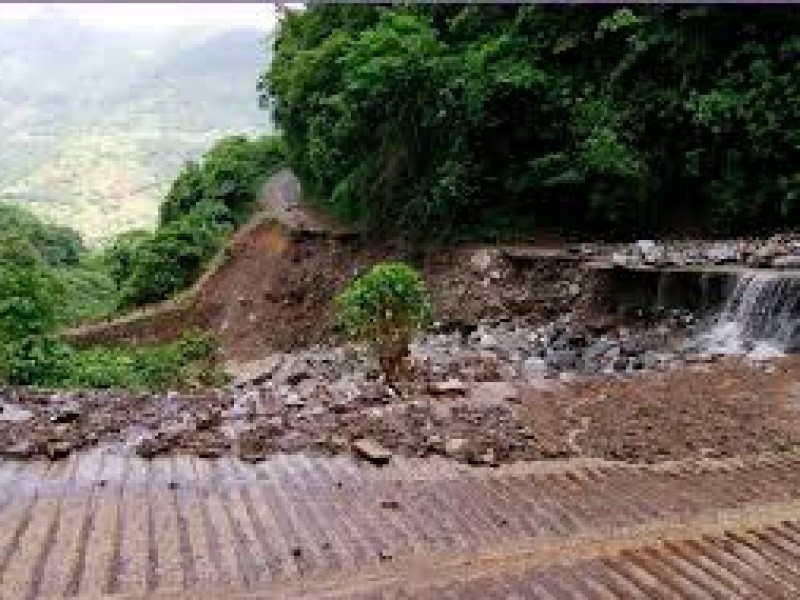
(271, 290)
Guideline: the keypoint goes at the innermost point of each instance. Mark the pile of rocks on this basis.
(780, 251)
(509, 350)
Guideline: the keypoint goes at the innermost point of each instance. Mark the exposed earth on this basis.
(546, 439)
(721, 408)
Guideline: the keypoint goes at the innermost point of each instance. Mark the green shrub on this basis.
(229, 175)
(43, 361)
(206, 202)
(28, 291)
(46, 361)
(385, 306)
(174, 257)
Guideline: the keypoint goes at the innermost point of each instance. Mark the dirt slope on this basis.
(270, 288)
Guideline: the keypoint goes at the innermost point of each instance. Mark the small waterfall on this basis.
(761, 317)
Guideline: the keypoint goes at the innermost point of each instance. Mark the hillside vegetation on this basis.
(49, 280)
(479, 120)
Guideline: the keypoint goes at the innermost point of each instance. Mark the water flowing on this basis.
(761, 317)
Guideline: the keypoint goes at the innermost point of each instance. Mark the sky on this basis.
(129, 16)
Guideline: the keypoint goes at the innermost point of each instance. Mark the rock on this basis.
(573, 289)
(14, 414)
(486, 458)
(561, 359)
(296, 377)
(293, 400)
(703, 357)
(390, 504)
(149, 446)
(59, 450)
(455, 446)
(486, 340)
(619, 259)
(372, 451)
(533, 367)
(207, 420)
(66, 412)
(449, 387)
(791, 261)
(19, 451)
(493, 391)
(722, 254)
(646, 246)
(481, 260)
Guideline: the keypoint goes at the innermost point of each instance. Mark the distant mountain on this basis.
(96, 124)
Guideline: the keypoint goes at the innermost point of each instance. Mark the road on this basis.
(104, 525)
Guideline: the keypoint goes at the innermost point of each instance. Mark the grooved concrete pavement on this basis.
(106, 525)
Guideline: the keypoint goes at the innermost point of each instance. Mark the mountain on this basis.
(96, 124)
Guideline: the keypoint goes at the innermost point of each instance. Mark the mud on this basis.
(726, 408)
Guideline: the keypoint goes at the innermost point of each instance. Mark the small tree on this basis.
(385, 306)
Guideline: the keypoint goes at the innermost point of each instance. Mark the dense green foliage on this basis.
(39, 261)
(27, 291)
(385, 306)
(443, 119)
(174, 257)
(57, 246)
(43, 287)
(228, 176)
(48, 362)
(205, 203)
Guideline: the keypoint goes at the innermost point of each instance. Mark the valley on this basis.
(96, 145)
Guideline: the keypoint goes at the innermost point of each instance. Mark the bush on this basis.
(206, 202)
(42, 361)
(229, 175)
(46, 361)
(28, 291)
(385, 306)
(174, 257)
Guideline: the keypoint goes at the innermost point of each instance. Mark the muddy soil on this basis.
(725, 408)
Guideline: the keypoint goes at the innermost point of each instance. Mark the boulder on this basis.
(372, 451)
(449, 387)
(14, 414)
(791, 261)
(493, 391)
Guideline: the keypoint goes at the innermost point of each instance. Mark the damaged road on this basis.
(710, 409)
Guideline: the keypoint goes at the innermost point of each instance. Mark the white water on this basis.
(761, 318)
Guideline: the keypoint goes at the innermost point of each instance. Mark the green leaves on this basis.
(46, 361)
(385, 306)
(206, 202)
(430, 121)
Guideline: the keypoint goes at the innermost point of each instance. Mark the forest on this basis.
(442, 123)
(452, 121)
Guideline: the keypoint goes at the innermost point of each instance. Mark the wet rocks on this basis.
(57, 450)
(453, 387)
(10, 413)
(65, 411)
(19, 451)
(151, 445)
(372, 451)
(455, 447)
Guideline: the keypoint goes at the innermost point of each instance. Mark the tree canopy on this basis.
(444, 119)
(207, 201)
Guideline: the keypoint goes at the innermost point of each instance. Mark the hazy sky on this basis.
(153, 15)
